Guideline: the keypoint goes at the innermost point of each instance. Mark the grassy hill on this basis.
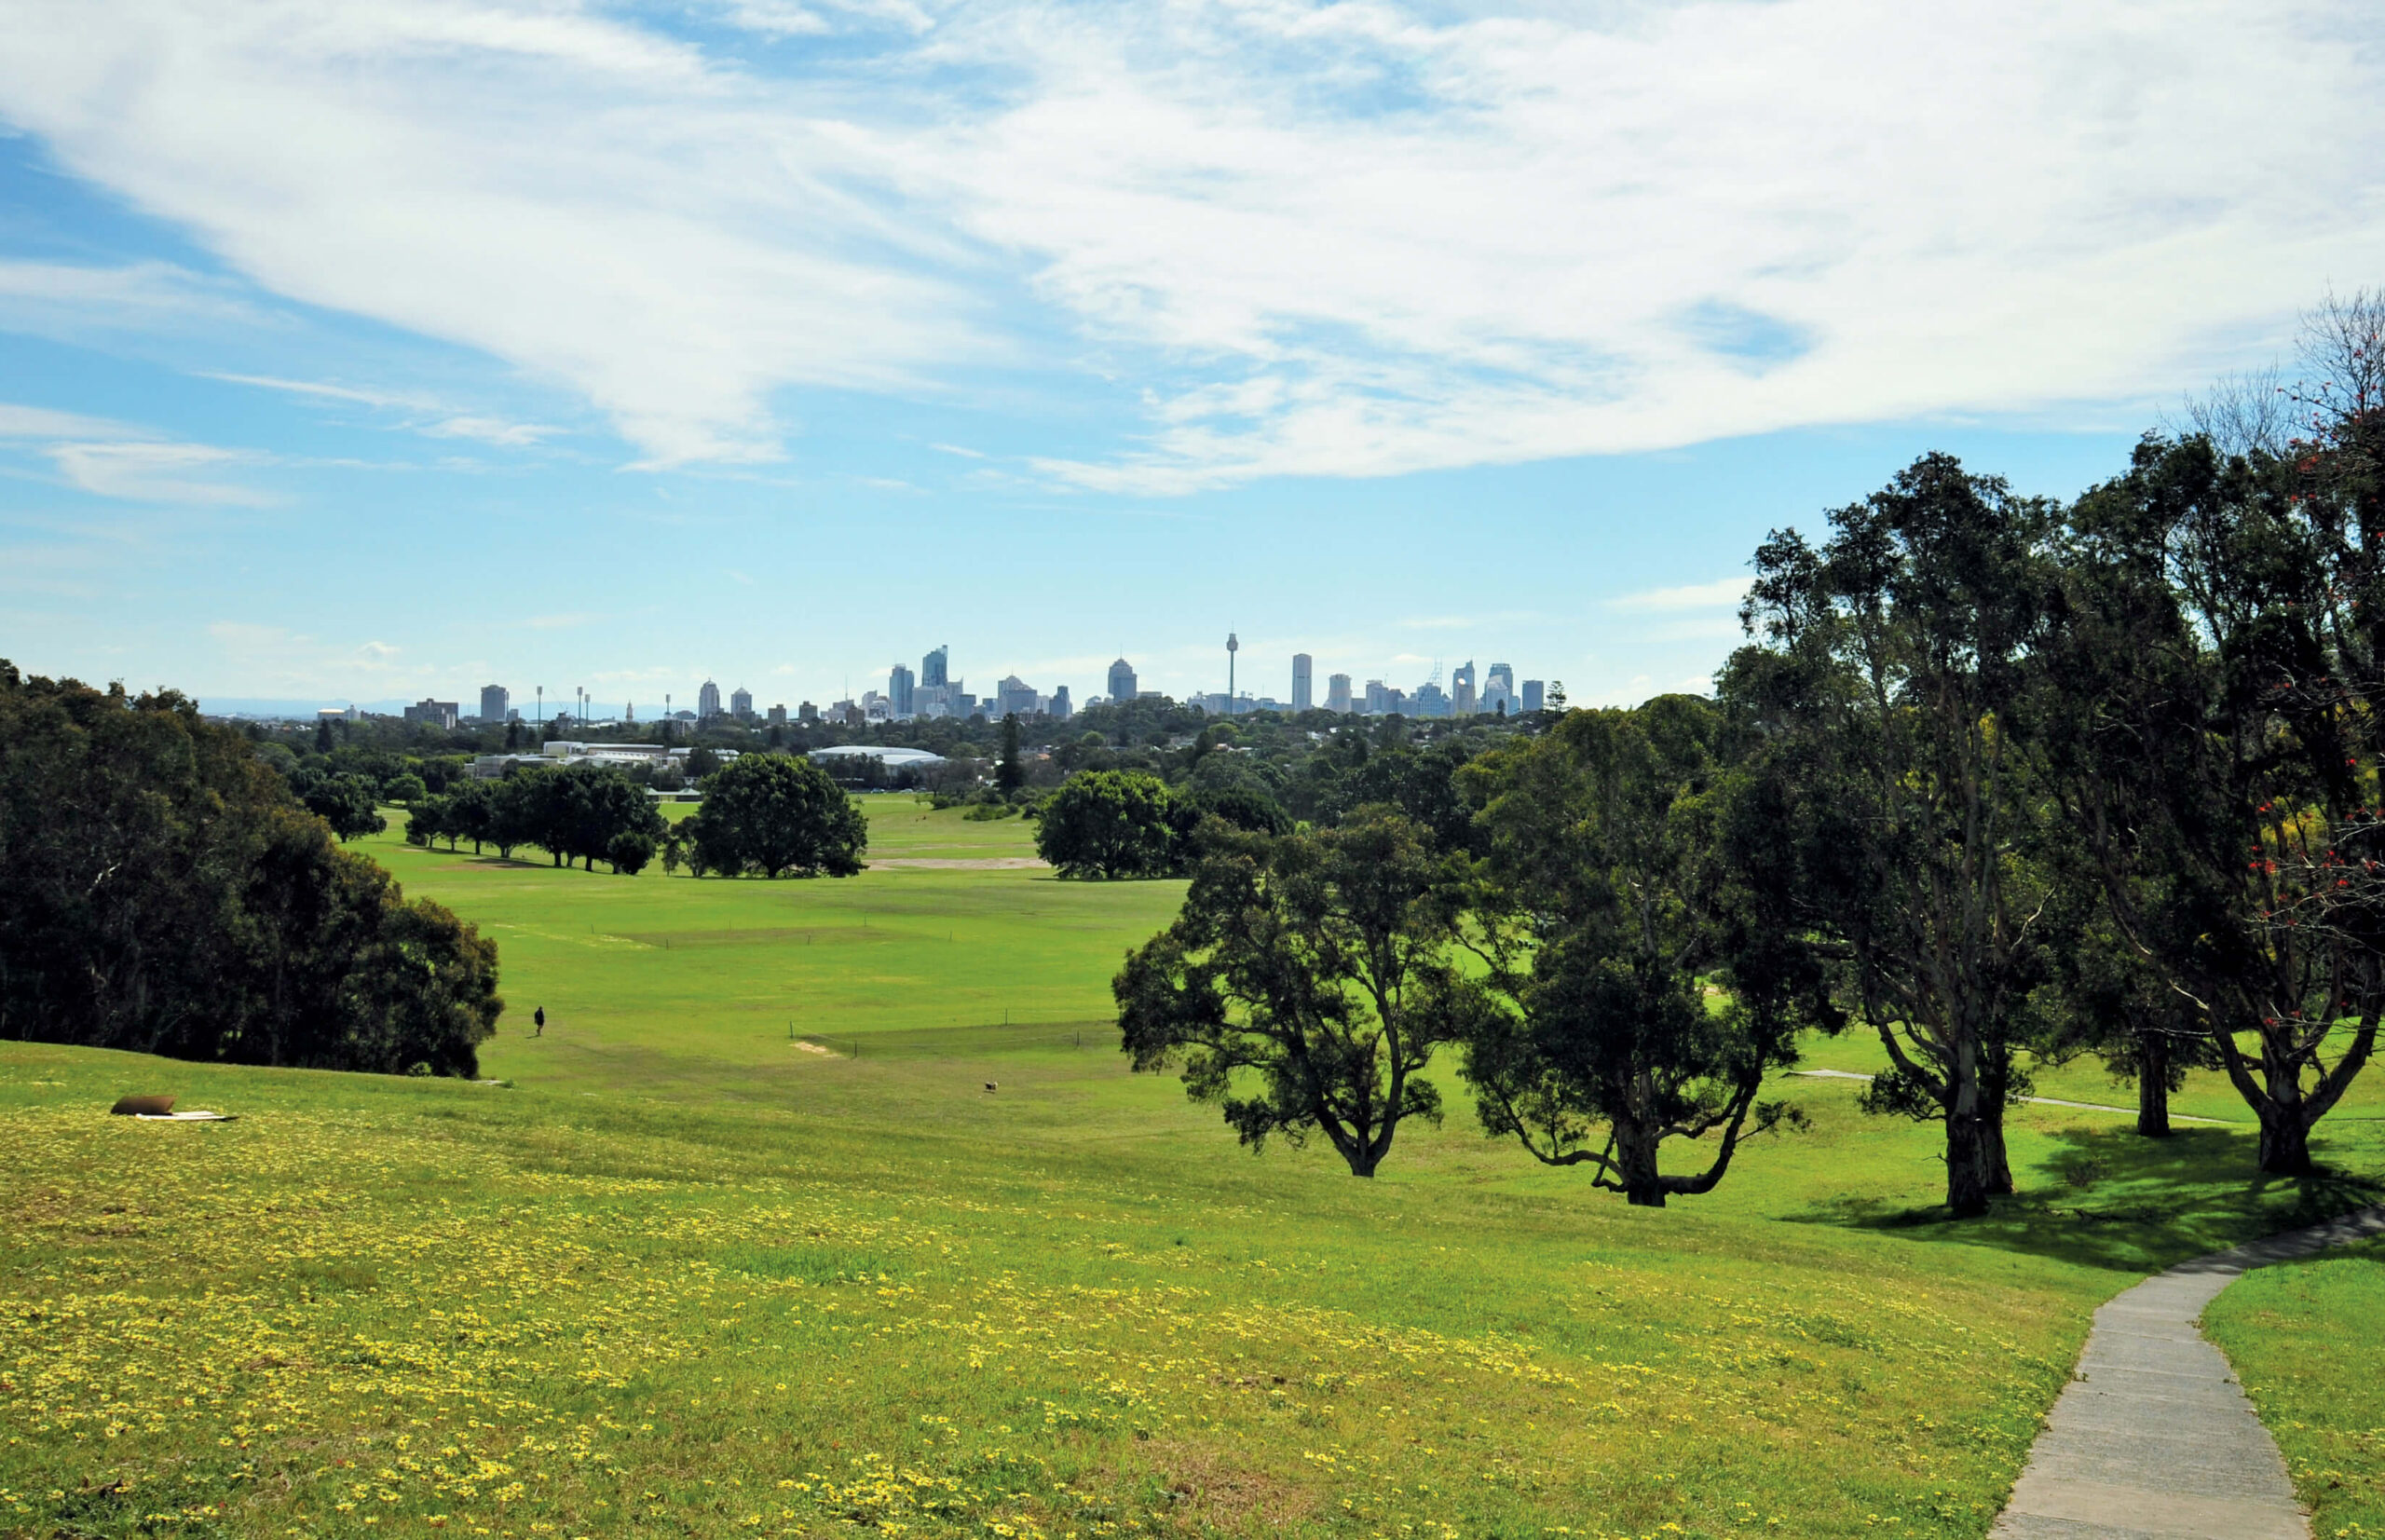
(690, 1275)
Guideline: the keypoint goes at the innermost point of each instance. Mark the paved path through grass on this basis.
(2152, 1438)
(2034, 1101)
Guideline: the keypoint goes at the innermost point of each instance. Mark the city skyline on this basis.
(905, 695)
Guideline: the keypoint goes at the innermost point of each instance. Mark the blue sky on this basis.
(377, 349)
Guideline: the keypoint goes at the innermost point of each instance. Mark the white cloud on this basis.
(115, 460)
(1347, 239)
(1722, 594)
(156, 472)
(442, 423)
(495, 430)
(40, 422)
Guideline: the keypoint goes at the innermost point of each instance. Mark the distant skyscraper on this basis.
(1337, 693)
(1122, 681)
(740, 704)
(898, 690)
(778, 714)
(1378, 697)
(1014, 694)
(1462, 701)
(1301, 663)
(931, 668)
(1060, 706)
(707, 702)
(1499, 689)
(493, 700)
(1532, 695)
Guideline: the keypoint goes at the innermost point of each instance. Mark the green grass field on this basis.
(690, 1275)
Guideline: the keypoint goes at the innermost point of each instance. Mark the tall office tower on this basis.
(1461, 689)
(1501, 678)
(1301, 663)
(1337, 693)
(1060, 706)
(1122, 681)
(707, 702)
(932, 667)
(1532, 694)
(493, 700)
(740, 703)
(1378, 698)
(1499, 690)
(1014, 695)
(898, 692)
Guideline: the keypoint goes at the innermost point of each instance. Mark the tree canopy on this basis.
(777, 815)
(167, 895)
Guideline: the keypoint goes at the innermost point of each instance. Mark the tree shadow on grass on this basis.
(2107, 1197)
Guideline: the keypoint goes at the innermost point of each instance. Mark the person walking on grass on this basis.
(538, 1017)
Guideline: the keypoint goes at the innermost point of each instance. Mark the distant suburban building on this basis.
(1060, 707)
(1533, 695)
(1337, 693)
(493, 702)
(806, 712)
(778, 715)
(933, 667)
(1462, 701)
(740, 703)
(439, 713)
(707, 702)
(898, 690)
(1301, 665)
(1122, 680)
(339, 714)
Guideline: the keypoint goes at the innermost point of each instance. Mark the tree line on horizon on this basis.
(1993, 776)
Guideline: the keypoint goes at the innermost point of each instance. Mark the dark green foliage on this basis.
(1306, 984)
(1112, 823)
(2214, 695)
(1628, 865)
(166, 895)
(631, 851)
(1010, 773)
(776, 814)
(1888, 690)
(348, 803)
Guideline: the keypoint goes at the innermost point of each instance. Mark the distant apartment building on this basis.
(493, 702)
(932, 668)
(778, 715)
(1122, 680)
(1301, 665)
(439, 713)
(1061, 710)
(1533, 694)
(807, 713)
(707, 702)
(1337, 693)
(740, 703)
(1462, 701)
(898, 690)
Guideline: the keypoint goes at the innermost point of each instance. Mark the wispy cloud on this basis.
(440, 422)
(1344, 239)
(1722, 594)
(124, 460)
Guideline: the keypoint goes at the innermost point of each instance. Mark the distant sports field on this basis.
(748, 1247)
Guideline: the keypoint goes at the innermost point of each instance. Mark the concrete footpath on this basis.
(2152, 1440)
